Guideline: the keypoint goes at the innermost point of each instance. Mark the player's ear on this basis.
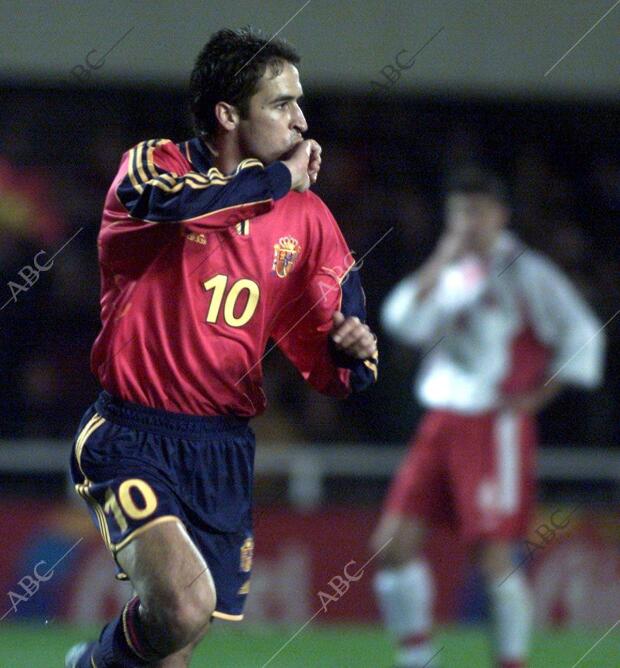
(227, 115)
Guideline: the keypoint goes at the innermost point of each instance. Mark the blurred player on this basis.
(207, 249)
(505, 332)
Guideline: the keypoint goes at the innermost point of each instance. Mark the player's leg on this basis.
(404, 587)
(494, 488)
(117, 471)
(404, 584)
(174, 585)
(221, 537)
(174, 603)
(182, 658)
(139, 485)
(511, 602)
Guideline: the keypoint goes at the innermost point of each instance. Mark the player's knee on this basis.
(396, 541)
(191, 616)
(393, 555)
(183, 616)
(494, 560)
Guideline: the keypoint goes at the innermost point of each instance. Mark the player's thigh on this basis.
(168, 572)
(492, 476)
(418, 496)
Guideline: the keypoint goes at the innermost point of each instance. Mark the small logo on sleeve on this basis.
(285, 254)
(196, 237)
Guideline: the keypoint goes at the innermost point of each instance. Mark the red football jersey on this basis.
(199, 270)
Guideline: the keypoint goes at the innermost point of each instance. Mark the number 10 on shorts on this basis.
(136, 500)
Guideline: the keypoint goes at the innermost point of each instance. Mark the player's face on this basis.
(478, 217)
(275, 121)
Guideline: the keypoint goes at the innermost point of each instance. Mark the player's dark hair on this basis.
(474, 180)
(228, 70)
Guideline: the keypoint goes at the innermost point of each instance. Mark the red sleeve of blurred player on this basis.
(333, 284)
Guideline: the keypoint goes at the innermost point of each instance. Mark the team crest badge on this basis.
(247, 552)
(285, 253)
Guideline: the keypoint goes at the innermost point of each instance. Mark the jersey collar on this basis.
(199, 156)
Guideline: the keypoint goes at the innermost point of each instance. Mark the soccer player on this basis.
(208, 248)
(504, 331)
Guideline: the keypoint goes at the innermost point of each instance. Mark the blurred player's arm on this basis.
(324, 332)
(451, 246)
(564, 322)
(535, 400)
(153, 185)
(423, 305)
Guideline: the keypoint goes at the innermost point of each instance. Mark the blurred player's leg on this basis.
(404, 588)
(511, 604)
(176, 598)
(493, 482)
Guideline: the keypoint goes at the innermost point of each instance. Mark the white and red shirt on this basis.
(495, 327)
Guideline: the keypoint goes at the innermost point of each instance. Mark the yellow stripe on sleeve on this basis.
(130, 170)
(140, 162)
(373, 367)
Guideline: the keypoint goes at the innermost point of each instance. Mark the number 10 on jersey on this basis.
(218, 284)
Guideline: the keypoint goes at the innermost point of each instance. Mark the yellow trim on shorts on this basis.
(226, 617)
(89, 428)
(134, 534)
(83, 491)
(92, 661)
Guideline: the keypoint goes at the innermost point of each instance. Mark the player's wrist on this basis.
(280, 178)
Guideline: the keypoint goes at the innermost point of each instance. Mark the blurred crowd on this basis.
(385, 160)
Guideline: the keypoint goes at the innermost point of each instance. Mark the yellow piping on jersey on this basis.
(138, 167)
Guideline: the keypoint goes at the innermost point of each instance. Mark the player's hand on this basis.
(533, 401)
(314, 163)
(453, 243)
(304, 163)
(353, 337)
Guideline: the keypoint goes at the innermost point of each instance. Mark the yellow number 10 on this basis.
(218, 285)
(127, 506)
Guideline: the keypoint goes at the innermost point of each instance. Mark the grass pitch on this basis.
(246, 646)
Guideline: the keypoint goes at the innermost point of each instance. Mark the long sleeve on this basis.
(415, 322)
(154, 185)
(563, 321)
(302, 334)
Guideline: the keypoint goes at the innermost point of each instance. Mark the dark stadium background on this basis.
(385, 161)
(497, 86)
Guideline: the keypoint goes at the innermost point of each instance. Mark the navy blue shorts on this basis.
(137, 467)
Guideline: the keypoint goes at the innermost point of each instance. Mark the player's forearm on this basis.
(430, 272)
(451, 246)
(535, 400)
(207, 201)
(404, 318)
(547, 393)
